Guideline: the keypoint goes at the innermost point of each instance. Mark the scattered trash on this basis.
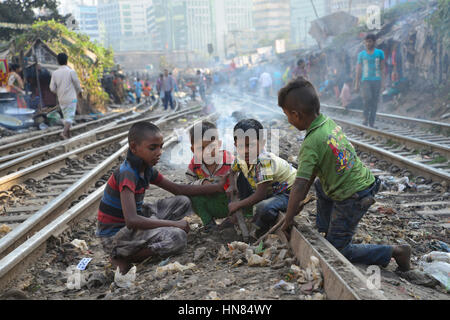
(164, 262)
(80, 244)
(213, 295)
(439, 270)
(440, 246)
(259, 249)
(286, 286)
(173, 268)
(418, 277)
(75, 278)
(199, 253)
(386, 210)
(5, 229)
(83, 263)
(238, 263)
(127, 280)
(96, 280)
(242, 246)
(223, 254)
(318, 296)
(392, 184)
(437, 256)
(257, 261)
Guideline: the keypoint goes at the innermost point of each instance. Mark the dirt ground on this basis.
(222, 273)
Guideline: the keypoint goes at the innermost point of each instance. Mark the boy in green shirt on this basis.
(345, 188)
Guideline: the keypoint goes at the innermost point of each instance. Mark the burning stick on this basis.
(308, 199)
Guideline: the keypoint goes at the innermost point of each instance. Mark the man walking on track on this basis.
(370, 70)
(66, 86)
(167, 86)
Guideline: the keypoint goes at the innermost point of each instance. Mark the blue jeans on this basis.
(168, 98)
(338, 219)
(267, 211)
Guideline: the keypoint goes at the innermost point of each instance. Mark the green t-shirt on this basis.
(327, 153)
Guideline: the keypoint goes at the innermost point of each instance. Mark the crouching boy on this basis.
(131, 230)
(264, 180)
(208, 165)
(345, 188)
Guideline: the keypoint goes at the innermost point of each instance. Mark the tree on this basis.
(21, 12)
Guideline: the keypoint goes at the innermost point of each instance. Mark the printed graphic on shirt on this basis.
(345, 158)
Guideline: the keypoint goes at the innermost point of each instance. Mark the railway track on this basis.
(429, 130)
(342, 280)
(68, 194)
(19, 145)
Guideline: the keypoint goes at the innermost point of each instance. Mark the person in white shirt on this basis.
(66, 86)
(265, 80)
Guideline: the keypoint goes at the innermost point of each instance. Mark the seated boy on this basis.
(208, 165)
(345, 188)
(263, 179)
(130, 230)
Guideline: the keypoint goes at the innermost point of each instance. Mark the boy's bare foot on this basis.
(402, 255)
(123, 265)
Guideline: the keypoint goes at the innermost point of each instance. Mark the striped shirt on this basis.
(66, 85)
(197, 173)
(110, 215)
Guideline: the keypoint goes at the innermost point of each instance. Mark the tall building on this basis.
(271, 19)
(200, 25)
(237, 35)
(167, 24)
(302, 13)
(125, 24)
(69, 6)
(218, 24)
(358, 7)
(87, 18)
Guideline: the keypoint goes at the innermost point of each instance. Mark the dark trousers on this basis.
(266, 211)
(371, 96)
(167, 99)
(339, 219)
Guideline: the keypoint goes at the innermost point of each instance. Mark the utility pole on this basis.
(314, 7)
(350, 6)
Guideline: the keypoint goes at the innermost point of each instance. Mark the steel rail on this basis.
(13, 262)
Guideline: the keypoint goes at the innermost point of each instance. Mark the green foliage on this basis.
(21, 12)
(400, 10)
(77, 47)
(440, 21)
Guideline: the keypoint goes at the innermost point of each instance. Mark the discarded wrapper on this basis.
(126, 280)
(80, 244)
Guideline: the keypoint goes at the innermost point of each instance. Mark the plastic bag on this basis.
(125, 280)
(440, 271)
(53, 117)
(437, 256)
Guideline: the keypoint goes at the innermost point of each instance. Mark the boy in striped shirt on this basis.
(131, 230)
(209, 164)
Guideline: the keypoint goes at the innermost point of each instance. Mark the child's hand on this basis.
(233, 207)
(286, 228)
(183, 225)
